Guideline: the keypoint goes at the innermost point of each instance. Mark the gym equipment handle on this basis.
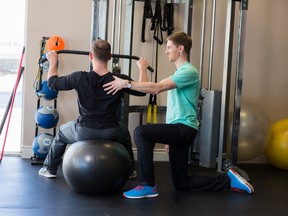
(77, 52)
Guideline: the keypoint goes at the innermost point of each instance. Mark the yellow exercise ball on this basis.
(277, 150)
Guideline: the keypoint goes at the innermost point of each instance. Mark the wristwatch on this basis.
(129, 85)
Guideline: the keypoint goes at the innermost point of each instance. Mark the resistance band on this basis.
(152, 105)
(38, 81)
(156, 26)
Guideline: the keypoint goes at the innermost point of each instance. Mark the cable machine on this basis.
(204, 148)
(230, 17)
(100, 28)
(209, 147)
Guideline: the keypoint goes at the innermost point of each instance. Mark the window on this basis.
(12, 18)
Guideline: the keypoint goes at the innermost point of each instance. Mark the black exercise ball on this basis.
(96, 166)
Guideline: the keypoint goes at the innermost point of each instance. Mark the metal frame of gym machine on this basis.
(204, 148)
(230, 17)
(100, 25)
(129, 23)
(210, 146)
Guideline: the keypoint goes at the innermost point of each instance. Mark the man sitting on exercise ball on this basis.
(180, 129)
(98, 110)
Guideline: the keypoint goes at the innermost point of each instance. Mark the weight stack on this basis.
(207, 139)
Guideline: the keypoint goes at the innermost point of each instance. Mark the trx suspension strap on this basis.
(156, 23)
(38, 80)
(156, 26)
(168, 17)
(147, 14)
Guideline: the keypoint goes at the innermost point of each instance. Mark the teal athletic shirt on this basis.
(182, 101)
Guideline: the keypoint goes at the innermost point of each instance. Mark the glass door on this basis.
(12, 18)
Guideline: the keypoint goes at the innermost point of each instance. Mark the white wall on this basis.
(72, 22)
(265, 61)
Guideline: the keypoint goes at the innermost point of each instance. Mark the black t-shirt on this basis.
(97, 109)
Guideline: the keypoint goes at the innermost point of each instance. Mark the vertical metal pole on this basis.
(238, 80)
(188, 29)
(195, 148)
(188, 17)
(119, 25)
(95, 20)
(127, 46)
(228, 47)
(128, 35)
(101, 19)
(113, 25)
(211, 44)
(202, 42)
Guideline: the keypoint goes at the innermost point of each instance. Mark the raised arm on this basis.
(142, 65)
(52, 57)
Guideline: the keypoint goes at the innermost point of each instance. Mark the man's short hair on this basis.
(181, 38)
(101, 50)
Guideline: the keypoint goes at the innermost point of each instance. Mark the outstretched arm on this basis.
(142, 85)
(145, 87)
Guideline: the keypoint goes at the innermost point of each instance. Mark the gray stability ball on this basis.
(96, 166)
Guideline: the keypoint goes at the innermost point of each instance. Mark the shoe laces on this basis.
(139, 188)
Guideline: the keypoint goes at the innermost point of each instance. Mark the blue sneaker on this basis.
(238, 183)
(141, 191)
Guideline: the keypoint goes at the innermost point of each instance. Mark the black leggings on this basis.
(179, 137)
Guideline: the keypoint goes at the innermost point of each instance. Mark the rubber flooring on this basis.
(23, 192)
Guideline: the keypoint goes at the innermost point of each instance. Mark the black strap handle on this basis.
(147, 14)
(156, 23)
(168, 19)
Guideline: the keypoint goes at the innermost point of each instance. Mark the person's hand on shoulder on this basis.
(116, 85)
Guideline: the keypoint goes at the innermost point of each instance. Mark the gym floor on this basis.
(23, 192)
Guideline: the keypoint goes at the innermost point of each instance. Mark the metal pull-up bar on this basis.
(78, 52)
